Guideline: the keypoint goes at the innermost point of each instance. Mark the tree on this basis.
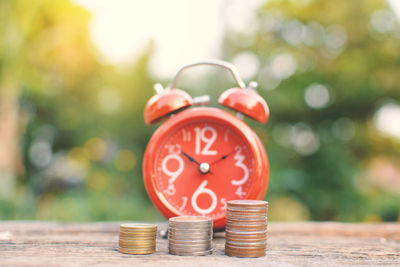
(326, 68)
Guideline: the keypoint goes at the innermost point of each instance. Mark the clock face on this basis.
(202, 164)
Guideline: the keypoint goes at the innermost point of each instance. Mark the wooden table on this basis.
(289, 244)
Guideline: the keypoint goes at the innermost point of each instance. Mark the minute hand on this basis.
(223, 157)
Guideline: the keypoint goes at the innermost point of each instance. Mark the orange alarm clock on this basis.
(201, 157)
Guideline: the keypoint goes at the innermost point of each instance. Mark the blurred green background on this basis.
(72, 134)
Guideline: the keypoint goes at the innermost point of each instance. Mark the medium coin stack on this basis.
(190, 235)
(137, 238)
(246, 228)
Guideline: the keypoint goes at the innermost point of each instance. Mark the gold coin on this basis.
(153, 240)
(136, 235)
(125, 244)
(137, 248)
(137, 252)
(142, 235)
(138, 232)
(135, 244)
(138, 226)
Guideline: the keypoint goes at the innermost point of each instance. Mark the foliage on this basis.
(84, 135)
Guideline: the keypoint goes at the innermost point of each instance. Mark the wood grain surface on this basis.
(289, 244)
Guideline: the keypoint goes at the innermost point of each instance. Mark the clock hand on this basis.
(203, 167)
(190, 158)
(223, 157)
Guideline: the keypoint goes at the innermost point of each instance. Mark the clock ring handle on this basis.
(217, 63)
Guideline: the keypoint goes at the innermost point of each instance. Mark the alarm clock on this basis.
(201, 157)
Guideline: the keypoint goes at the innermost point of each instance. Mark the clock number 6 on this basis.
(201, 137)
(203, 190)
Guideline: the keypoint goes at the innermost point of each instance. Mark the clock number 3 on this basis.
(239, 158)
(201, 137)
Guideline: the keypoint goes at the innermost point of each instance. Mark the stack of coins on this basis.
(246, 228)
(190, 235)
(137, 238)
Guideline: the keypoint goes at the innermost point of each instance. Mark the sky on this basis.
(181, 32)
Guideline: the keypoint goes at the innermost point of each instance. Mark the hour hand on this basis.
(190, 158)
(204, 167)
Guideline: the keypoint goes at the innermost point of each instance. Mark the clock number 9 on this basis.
(173, 175)
(201, 137)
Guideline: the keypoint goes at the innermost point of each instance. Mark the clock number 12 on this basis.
(201, 137)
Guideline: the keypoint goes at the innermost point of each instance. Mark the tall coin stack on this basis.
(137, 238)
(190, 235)
(246, 228)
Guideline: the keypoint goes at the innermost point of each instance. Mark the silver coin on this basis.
(189, 249)
(188, 241)
(244, 215)
(246, 219)
(199, 253)
(187, 230)
(180, 233)
(244, 248)
(178, 244)
(182, 244)
(191, 228)
(263, 232)
(247, 202)
(189, 236)
(257, 229)
(194, 249)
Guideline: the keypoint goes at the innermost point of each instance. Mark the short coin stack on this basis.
(190, 235)
(246, 228)
(137, 238)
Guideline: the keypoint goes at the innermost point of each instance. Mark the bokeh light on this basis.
(75, 76)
